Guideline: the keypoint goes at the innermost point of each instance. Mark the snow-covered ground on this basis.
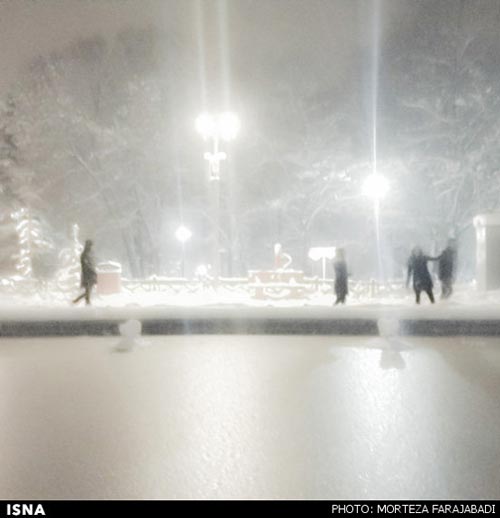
(250, 417)
(465, 303)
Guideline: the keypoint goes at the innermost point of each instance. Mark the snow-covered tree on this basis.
(300, 176)
(68, 275)
(96, 124)
(32, 242)
(8, 238)
(8, 151)
(447, 89)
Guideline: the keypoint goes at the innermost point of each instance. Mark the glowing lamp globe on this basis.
(225, 125)
(183, 234)
(376, 186)
(228, 125)
(206, 125)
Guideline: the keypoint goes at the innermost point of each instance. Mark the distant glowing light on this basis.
(224, 126)
(376, 186)
(229, 126)
(205, 125)
(183, 234)
(201, 270)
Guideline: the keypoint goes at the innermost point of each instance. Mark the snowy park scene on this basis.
(250, 249)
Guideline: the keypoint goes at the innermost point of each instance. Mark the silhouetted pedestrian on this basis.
(340, 267)
(447, 267)
(417, 268)
(89, 275)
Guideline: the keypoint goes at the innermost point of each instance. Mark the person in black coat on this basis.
(340, 267)
(417, 268)
(446, 268)
(89, 275)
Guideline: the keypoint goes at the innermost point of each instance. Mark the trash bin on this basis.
(109, 278)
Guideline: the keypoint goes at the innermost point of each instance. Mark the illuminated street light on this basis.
(223, 126)
(376, 186)
(215, 128)
(205, 125)
(183, 234)
(228, 126)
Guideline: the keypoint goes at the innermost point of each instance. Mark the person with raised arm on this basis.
(89, 275)
(417, 269)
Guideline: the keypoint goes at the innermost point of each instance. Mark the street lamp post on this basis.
(376, 187)
(183, 234)
(216, 128)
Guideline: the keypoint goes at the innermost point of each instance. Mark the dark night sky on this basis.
(32, 27)
(318, 36)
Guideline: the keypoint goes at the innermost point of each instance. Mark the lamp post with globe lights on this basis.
(376, 187)
(183, 234)
(225, 127)
(216, 128)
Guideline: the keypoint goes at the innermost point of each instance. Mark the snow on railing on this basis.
(311, 285)
(306, 288)
(180, 284)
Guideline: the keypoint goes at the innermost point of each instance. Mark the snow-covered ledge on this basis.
(487, 251)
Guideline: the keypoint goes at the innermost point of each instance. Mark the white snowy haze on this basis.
(98, 101)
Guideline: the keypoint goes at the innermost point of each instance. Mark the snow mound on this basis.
(130, 332)
(388, 327)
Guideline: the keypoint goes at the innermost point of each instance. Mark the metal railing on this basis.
(308, 286)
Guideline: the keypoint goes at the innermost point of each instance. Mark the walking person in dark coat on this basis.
(417, 268)
(446, 268)
(340, 267)
(89, 275)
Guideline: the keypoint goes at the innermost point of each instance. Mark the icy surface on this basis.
(250, 417)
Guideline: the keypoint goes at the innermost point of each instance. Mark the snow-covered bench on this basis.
(278, 290)
(277, 284)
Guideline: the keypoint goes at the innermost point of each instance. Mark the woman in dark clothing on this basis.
(446, 268)
(89, 275)
(417, 268)
(340, 267)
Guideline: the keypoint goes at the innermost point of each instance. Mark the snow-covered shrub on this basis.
(69, 273)
(32, 243)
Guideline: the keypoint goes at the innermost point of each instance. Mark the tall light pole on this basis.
(216, 128)
(376, 187)
(183, 234)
